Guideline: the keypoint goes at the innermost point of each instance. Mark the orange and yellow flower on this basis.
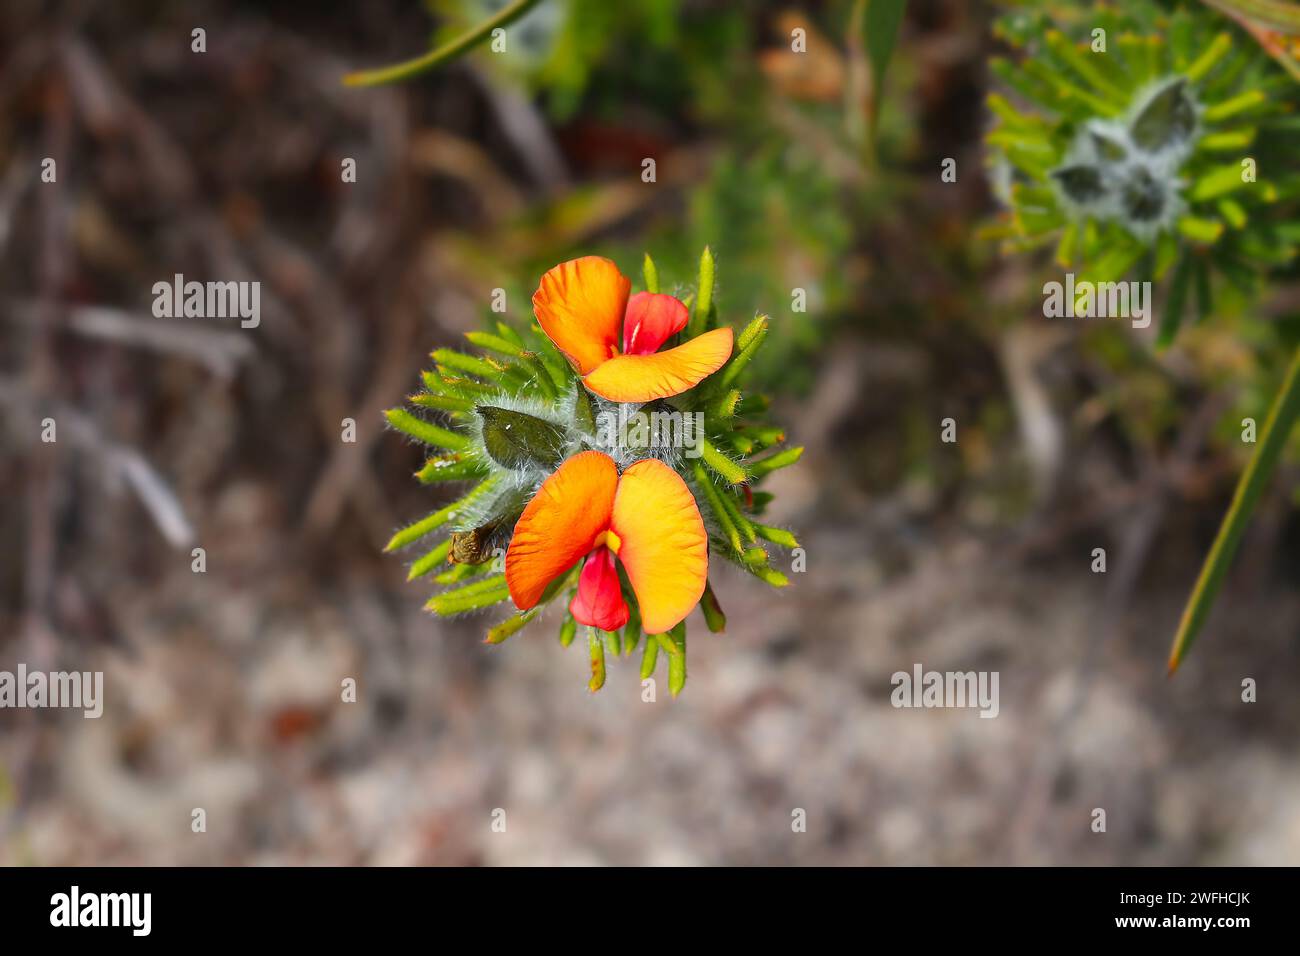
(645, 519)
(613, 341)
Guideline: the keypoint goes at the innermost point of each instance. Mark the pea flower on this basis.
(583, 307)
(645, 518)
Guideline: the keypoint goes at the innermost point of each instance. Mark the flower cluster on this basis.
(612, 454)
(1126, 171)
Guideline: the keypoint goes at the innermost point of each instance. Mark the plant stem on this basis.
(448, 51)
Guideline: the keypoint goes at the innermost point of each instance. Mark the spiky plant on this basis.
(512, 414)
(1159, 147)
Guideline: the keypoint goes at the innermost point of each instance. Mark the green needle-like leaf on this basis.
(596, 649)
(1213, 53)
(747, 343)
(1281, 419)
(742, 524)
(471, 597)
(730, 471)
(1240, 103)
(782, 459)
(1177, 300)
(1083, 65)
(631, 631)
(713, 498)
(511, 625)
(426, 432)
(676, 647)
(650, 273)
(777, 536)
(704, 295)
(427, 562)
(432, 522)
(649, 657)
(713, 616)
(881, 27)
(454, 467)
(468, 364)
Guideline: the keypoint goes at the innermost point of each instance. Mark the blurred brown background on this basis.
(222, 688)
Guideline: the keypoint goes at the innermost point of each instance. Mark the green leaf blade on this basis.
(884, 21)
(1281, 419)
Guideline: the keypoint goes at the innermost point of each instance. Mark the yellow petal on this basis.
(642, 378)
(662, 543)
(579, 305)
(560, 525)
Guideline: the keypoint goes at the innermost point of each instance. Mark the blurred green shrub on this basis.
(1146, 141)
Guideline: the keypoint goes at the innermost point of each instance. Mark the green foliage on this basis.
(881, 22)
(775, 222)
(557, 47)
(1170, 155)
(1165, 155)
(1277, 427)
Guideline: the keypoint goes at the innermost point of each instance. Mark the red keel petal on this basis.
(599, 601)
(652, 318)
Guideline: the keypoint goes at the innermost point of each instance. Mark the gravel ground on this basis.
(230, 702)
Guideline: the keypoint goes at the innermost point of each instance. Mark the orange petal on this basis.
(642, 378)
(560, 525)
(579, 305)
(663, 546)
